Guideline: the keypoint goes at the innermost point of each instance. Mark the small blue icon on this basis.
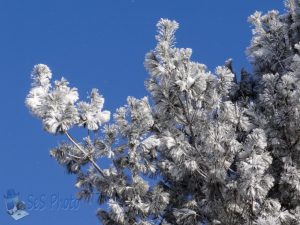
(15, 207)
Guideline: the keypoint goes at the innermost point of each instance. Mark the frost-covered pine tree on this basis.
(274, 53)
(203, 149)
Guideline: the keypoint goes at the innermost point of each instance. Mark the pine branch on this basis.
(88, 156)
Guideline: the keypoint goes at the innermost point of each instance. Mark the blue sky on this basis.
(95, 43)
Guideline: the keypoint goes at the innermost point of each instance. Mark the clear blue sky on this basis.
(95, 43)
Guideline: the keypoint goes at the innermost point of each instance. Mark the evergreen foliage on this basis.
(205, 149)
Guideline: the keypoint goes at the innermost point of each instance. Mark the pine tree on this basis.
(204, 148)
